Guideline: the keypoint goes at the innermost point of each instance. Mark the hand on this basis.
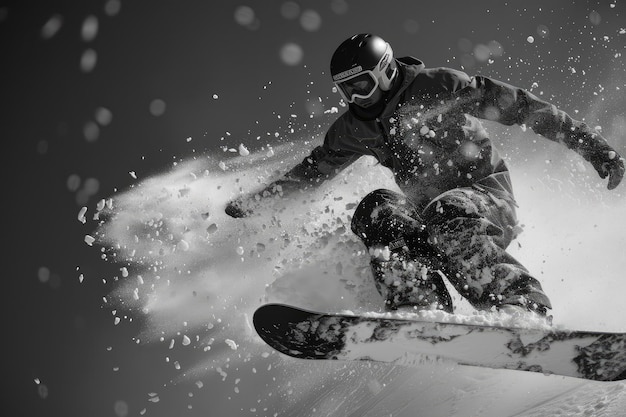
(237, 209)
(609, 163)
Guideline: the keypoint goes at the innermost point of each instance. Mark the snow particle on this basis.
(43, 274)
(290, 10)
(89, 30)
(81, 215)
(52, 26)
(291, 54)
(88, 60)
(120, 408)
(543, 31)
(310, 20)
(91, 131)
(183, 245)
(530, 39)
(595, 18)
(157, 107)
(112, 7)
(245, 16)
(103, 116)
(243, 151)
(339, 6)
(73, 182)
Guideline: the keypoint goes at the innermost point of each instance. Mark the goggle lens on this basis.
(361, 86)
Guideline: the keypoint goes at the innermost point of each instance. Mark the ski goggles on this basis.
(361, 85)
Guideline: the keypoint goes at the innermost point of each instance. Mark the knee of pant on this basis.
(450, 206)
(377, 204)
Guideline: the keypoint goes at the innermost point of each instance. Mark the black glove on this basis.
(609, 163)
(236, 208)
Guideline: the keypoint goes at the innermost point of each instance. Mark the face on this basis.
(370, 101)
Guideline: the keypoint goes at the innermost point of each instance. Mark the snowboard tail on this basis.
(306, 334)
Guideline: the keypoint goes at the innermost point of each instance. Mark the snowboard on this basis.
(302, 334)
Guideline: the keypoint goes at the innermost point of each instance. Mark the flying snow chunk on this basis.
(231, 344)
(291, 54)
(81, 215)
(89, 240)
(530, 39)
(183, 245)
(243, 151)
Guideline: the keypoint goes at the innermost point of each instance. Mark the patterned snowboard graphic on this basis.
(312, 335)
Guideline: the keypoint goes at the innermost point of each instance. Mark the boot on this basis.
(406, 281)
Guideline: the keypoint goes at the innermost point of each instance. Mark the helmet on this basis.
(361, 64)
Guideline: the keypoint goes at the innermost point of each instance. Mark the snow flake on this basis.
(89, 240)
(243, 151)
(231, 344)
(81, 215)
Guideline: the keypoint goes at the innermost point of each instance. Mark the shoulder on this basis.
(444, 78)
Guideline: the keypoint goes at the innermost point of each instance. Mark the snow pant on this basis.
(462, 234)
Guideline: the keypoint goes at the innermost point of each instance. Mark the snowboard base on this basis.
(306, 334)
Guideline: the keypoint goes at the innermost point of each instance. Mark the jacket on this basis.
(430, 136)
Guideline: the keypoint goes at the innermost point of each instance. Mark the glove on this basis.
(609, 163)
(237, 209)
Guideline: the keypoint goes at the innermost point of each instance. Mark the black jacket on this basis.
(429, 135)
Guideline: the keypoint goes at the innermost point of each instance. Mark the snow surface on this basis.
(194, 276)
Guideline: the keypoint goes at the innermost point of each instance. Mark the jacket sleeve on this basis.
(490, 99)
(323, 163)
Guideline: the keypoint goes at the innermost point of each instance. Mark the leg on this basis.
(472, 230)
(403, 263)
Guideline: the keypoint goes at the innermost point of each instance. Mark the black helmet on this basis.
(361, 64)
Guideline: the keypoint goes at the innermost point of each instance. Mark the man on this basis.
(456, 215)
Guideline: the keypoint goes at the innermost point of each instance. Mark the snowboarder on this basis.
(456, 214)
